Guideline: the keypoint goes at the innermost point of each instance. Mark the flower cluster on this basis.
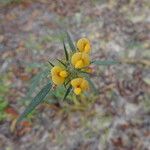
(69, 72)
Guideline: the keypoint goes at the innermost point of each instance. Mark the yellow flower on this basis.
(58, 75)
(80, 60)
(84, 45)
(79, 85)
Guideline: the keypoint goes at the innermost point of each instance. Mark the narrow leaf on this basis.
(67, 92)
(105, 62)
(36, 80)
(70, 42)
(66, 52)
(62, 62)
(51, 64)
(35, 101)
(34, 65)
(80, 71)
(67, 82)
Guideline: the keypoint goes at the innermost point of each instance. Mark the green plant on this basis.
(3, 105)
(6, 2)
(3, 101)
(70, 76)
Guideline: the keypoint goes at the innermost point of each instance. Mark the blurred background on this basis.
(119, 117)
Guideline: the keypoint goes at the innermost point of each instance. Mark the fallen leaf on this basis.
(11, 112)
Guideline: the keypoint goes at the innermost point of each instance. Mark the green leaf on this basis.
(39, 98)
(51, 63)
(66, 52)
(34, 65)
(70, 42)
(80, 71)
(105, 62)
(3, 105)
(36, 80)
(59, 92)
(67, 82)
(67, 92)
(3, 116)
(62, 62)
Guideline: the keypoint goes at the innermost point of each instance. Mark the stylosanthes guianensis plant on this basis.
(72, 72)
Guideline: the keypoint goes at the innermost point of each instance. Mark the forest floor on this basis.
(119, 118)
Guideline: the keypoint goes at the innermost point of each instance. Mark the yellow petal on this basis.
(83, 45)
(79, 64)
(80, 60)
(87, 48)
(76, 82)
(77, 91)
(63, 74)
(55, 70)
(79, 84)
(84, 85)
(86, 59)
(80, 45)
(76, 57)
(58, 80)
